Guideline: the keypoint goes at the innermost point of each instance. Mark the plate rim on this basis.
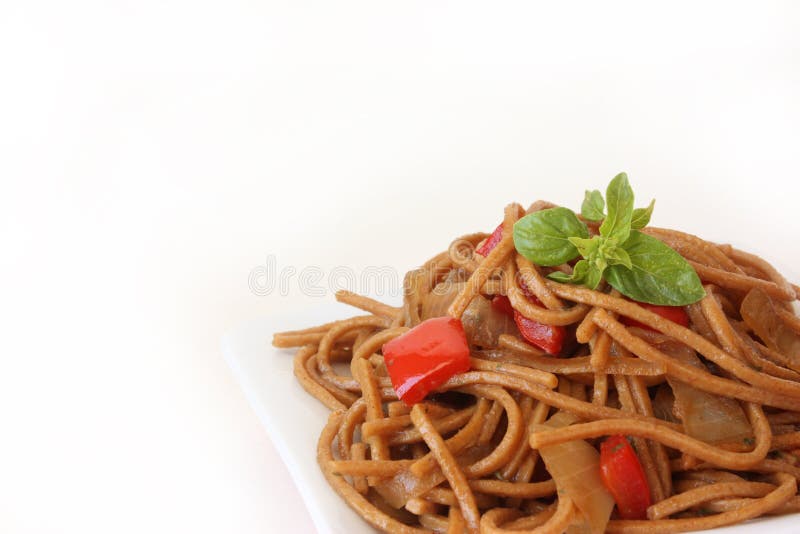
(261, 328)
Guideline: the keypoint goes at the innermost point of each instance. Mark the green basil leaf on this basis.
(641, 216)
(586, 247)
(599, 261)
(543, 236)
(587, 274)
(558, 276)
(584, 273)
(593, 206)
(658, 274)
(619, 197)
(618, 256)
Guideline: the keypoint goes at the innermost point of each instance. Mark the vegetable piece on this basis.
(583, 273)
(705, 416)
(593, 206)
(758, 311)
(676, 314)
(659, 275)
(543, 236)
(624, 477)
(619, 197)
(547, 337)
(641, 216)
(575, 468)
(636, 264)
(483, 322)
(491, 241)
(437, 302)
(503, 305)
(423, 358)
(664, 404)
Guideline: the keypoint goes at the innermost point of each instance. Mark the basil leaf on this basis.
(641, 216)
(558, 276)
(543, 236)
(619, 197)
(618, 256)
(586, 247)
(584, 273)
(593, 206)
(587, 274)
(658, 274)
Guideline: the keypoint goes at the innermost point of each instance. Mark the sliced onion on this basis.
(705, 416)
(483, 324)
(398, 489)
(439, 299)
(758, 311)
(664, 404)
(575, 467)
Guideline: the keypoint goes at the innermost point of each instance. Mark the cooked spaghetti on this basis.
(711, 407)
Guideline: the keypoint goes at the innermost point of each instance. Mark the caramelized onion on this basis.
(483, 324)
(758, 311)
(575, 467)
(705, 416)
(664, 404)
(439, 299)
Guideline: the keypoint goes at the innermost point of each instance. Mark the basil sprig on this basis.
(636, 264)
(547, 236)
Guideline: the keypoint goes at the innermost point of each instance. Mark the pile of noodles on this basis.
(712, 410)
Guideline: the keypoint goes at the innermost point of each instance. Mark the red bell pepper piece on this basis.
(624, 478)
(503, 305)
(491, 241)
(547, 337)
(424, 358)
(676, 314)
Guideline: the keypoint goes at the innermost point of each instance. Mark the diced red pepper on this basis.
(426, 356)
(624, 477)
(491, 241)
(503, 305)
(547, 337)
(676, 314)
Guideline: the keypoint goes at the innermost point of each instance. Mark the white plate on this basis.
(294, 419)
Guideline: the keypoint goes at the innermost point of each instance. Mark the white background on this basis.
(153, 153)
